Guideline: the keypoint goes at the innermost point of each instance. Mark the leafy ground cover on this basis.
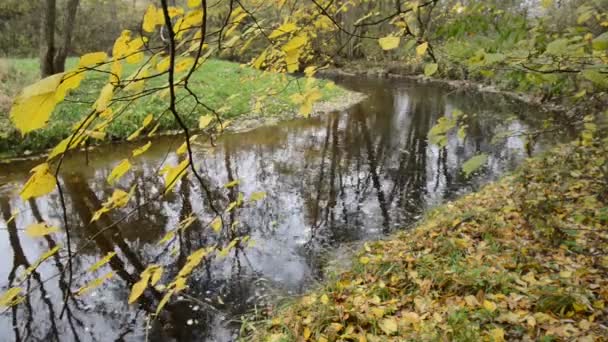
(525, 258)
(229, 88)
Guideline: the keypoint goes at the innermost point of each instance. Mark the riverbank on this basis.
(522, 259)
(219, 81)
(416, 73)
(573, 108)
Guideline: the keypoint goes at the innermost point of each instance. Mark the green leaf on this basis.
(430, 69)
(438, 133)
(493, 58)
(596, 77)
(474, 163)
(601, 42)
(558, 46)
(257, 196)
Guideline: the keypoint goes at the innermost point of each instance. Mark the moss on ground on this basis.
(525, 258)
(230, 88)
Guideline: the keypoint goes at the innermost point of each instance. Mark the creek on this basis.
(330, 181)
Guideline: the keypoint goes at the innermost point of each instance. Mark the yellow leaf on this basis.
(135, 134)
(292, 50)
(488, 305)
(232, 184)
(119, 171)
(102, 262)
(156, 275)
(336, 327)
(216, 224)
(69, 81)
(135, 53)
(257, 63)
(163, 65)
(32, 108)
(118, 199)
(389, 325)
(40, 229)
(42, 258)
(410, 318)
(92, 59)
(11, 297)
(175, 11)
(324, 299)
(307, 100)
(193, 260)
(115, 72)
(138, 288)
(292, 60)
(141, 150)
(283, 29)
(296, 43)
(497, 334)
(153, 17)
(182, 149)
(121, 45)
(163, 301)
(173, 174)
(170, 235)
(471, 301)
(421, 49)
(105, 96)
(147, 120)
(204, 121)
(364, 260)
(40, 183)
(95, 135)
(194, 3)
(94, 284)
(63, 145)
(389, 42)
(184, 64)
(306, 334)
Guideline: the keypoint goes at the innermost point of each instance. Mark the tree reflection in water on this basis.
(345, 177)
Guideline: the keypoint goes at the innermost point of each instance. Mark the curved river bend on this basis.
(346, 177)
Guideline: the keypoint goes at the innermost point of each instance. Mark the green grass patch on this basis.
(234, 90)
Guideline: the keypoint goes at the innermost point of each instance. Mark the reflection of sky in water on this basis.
(344, 177)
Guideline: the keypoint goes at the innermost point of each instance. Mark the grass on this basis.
(523, 259)
(234, 90)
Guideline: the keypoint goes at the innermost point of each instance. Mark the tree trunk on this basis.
(68, 29)
(47, 39)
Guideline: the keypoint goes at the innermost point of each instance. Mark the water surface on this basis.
(349, 176)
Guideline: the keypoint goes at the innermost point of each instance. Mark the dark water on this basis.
(341, 178)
